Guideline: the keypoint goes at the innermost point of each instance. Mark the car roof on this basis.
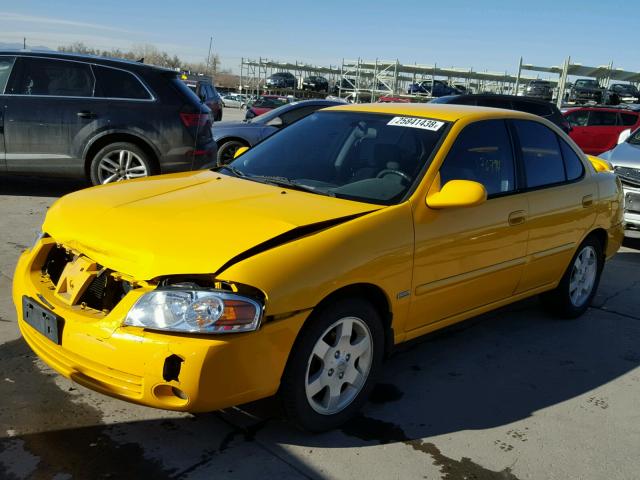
(440, 111)
(108, 61)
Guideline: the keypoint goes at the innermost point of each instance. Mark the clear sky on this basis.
(483, 34)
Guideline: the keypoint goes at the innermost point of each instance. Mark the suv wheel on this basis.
(120, 161)
(333, 366)
(579, 283)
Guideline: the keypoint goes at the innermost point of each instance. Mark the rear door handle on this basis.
(587, 201)
(86, 114)
(518, 217)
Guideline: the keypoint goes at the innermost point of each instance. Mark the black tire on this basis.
(559, 301)
(227, 150)
(96, 172)
(296, 405)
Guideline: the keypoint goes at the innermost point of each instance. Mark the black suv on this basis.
(511, 102)
(586, 90)
(281, 80)
(203, 87)
(539, 89)
(103, 119)
(315, 83)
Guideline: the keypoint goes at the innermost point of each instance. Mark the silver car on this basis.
(625, 158)
(234, 101)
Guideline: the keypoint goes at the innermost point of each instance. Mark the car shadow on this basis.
(32, 186)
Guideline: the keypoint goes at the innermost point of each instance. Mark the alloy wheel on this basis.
(339, 365)
(121, 165)
(583, 276)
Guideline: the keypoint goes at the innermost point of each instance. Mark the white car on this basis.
(234, 101)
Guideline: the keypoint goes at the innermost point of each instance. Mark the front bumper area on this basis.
(631, 208)
(130, 363)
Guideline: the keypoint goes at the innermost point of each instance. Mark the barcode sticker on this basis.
(412, 122)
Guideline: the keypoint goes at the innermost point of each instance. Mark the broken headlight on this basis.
(195, 311)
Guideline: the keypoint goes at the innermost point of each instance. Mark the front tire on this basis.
(579, 284)
(333, 365)
(120, 161)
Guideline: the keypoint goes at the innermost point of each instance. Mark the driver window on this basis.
(482, 153)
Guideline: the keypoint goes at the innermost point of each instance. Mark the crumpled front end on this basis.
(71, 311)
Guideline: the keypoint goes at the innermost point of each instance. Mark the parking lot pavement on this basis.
(513, 394)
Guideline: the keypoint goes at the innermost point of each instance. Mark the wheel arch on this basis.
(601, 235)
(373, 294)
(232, 138)
(105, 139)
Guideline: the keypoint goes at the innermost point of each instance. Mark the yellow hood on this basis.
(183, 223)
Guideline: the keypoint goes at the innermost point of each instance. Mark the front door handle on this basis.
(518, 217)
(86, 114)
(587, 201)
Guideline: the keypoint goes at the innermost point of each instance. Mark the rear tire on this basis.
(120, 161)
(579, 284)
(333, 365)
(227, 150)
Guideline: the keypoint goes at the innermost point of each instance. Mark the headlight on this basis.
(197, 311)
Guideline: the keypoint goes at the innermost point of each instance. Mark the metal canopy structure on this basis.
(603, 73)
(360, 79)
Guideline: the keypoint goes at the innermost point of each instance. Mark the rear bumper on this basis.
(98, 352)
(187, 158)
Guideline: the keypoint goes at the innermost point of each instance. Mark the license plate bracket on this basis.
(43, 320)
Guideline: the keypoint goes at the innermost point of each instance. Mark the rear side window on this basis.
(628, 119)
(572, 163)
(115, 83)
(6, 63)
(578, 118)
(599, 118)
(60, 78)
(482, 153)
(541, 156)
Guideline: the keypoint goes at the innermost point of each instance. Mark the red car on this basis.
(596, 129)
(265, 103)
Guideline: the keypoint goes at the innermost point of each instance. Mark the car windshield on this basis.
(269, 102)
(266, 117)
(366, 157)
(587, 83)
(634, 138)
(626, 88)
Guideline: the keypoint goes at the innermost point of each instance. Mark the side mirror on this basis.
(458, 193)
(239, 152)
(275, 122)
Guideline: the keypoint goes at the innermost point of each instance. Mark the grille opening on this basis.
(105, 292)
(56, 260)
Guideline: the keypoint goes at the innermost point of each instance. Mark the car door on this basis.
(603, 129)
(578, 119)
(561, 202)
(466, 258)
(49, 103)
(6, 66)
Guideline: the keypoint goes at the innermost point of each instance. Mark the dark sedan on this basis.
(232, 135)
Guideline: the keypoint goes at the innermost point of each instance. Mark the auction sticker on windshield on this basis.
(423, 123)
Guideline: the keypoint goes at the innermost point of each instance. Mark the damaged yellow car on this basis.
(296, 268)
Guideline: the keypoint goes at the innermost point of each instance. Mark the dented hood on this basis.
(195, 222)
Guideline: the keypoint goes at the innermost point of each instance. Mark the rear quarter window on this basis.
(115, 83)
(628, 119)
(6, 63)
(572, 164)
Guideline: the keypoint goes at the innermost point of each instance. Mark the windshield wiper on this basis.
(233, 170)
(289, 183)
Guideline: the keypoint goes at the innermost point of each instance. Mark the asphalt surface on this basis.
(513, 394)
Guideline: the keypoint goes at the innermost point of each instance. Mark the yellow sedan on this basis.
(297, 268)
